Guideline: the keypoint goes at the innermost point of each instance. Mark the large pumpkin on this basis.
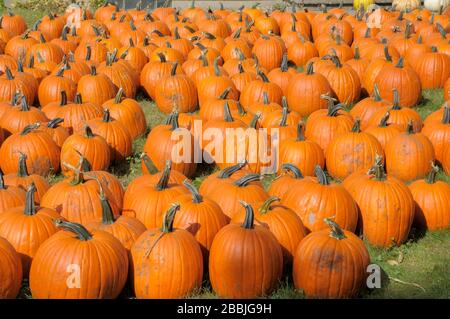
(10, 271)
(331, 263)
(167, 261)
(234, 274)
(78, 256)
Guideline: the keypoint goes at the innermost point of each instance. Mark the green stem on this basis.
(431, 177)
(29, 128)
(321, 176)
(284, 63)
(378, 169)
(265, 207)
(293, 169)
(225, 93)
(376, 93)
(216, 67)
(310, 68)
(54, 123)
(87, 131)
(446, 115)
(196, 197)
(396, 105)
(106, 116)
(249, 216)
(165, 176)
(78, 229)
(119, 96)
(356, 126)
(384, 120)
(169, 217)
(227, 113)
(300, 135)
(336, 230)
(107, 214)
(22, 170)
(246, 179)
(228, 171)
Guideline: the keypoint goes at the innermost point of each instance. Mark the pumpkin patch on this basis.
(175, 151)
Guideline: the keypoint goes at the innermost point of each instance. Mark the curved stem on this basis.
(119, 96)
(196, 197)
(245, 180)
(321, 176)
(376, 93)
(284, 114)
(284, 63)
(227, 113)
(265, 207)
(167, 226)
(356, 126)
(107, 214)
(336, 230)
(216, 66)
(165, 176)
(263, 76)
(293, 169)
(249, 216)
(310, 68)
(29, 128)
(431, 177)
(225, 93)
(384, 120)
(79, 230)
(446, 115)
(228, 171)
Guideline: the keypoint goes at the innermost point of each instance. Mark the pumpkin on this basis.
(431, 211)
(58, 132)
(242, 78)
(128, 112)
(331, 263)
(305, 89)
(439, 133)
(19, 44)
(446, 159)
(269, 50)
(358, 64)
(10, 85)
(149, 210)
(319, 199)
(16, 119)
(282, 222)
(400, 77)
(48, 51)
(161, 146)
(281, 76)
(325, 124)
(201, 216)
(159, 252)
(384, 131)
(408, 155)
(374, 68)
(228, 266)
(27, 227)
(290, 177)
(115, 134)
(23, 180)
(400, 116)
(96, 88)
(405, 5)
(14, 24)
(281, 117)
(76, 246)
(66, 44)
(77, 198)
(433, 69)
(126, 229)
(10, 196)
(301, 51)
(447, 90)
(41, 151)
(240, 189)
(176, 90)
(366, 108)
(51, 86)
(351, 152)
(11, 271)
(385, 203)
(76, 114)
(51, 26)
(254, 91)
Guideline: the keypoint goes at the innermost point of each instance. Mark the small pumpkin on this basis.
(10, 196)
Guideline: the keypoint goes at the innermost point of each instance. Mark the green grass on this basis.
(418, 269)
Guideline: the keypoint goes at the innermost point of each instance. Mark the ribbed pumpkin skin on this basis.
(325, 267)
(351, 152)
(433, 69)
(24, 182)
(344, 82)
(269, 51)
(10, 271)
(386, 207)
(384, 134)
(103, 254)
(166, 265)
(176, 90)
(447, 90)
(439, 136)
(365, 109)
(446, 159)
(11, 196)
(284, 183)
(244, 263)
(304, 154)
(431, 203)
(408, 156)
(315, 201)
(27, 233)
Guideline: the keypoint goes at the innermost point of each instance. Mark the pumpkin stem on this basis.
(431, 177)
(396, 105)
(174, 120)
(8, 73)
(378, 169)
(321, 176)
(162, 57)
(293, 169)
(357, 54)
(119, 96)
(228, 171)
(2, 182)
(88, 53)
(336, 230)
(310, 68)
(24, 107)
(300, 135)
(148, 163)
(265, 207)
(164, 180)
(249, 216)
(410, 127)
(107, 214)
(22, 170)
(106, 116)
(284, 114)
(263, 76)
(336, 61)
(357, 126)
(387, 56)
(167, 226)
(78, 177)
(54, 123)
(400, 63)
(78, 229)
(227, 113)
(216, 67)
(384, 120)
(30, 206)
(284, 63)
(332, 108)
(376, 93)
(245, 180)
(225, 93)
(29, 128)
(254, 120)
(266, 98)
(446, 115)
(196, 197)
(87, 131)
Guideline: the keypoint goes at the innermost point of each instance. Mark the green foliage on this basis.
(55, 6)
